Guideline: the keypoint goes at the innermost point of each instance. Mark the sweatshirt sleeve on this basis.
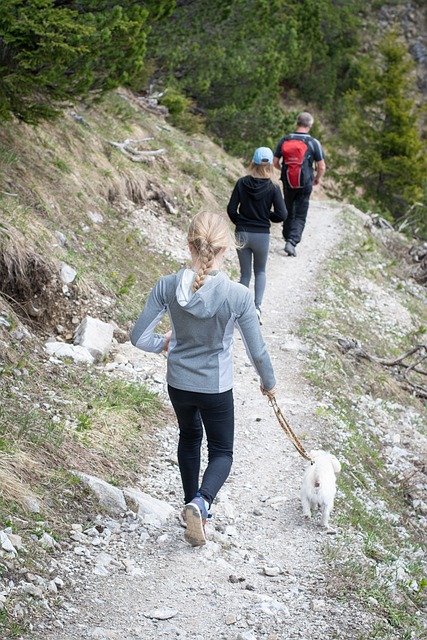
(279, 213)
(142, 334)
(233, 204)
(248, 326)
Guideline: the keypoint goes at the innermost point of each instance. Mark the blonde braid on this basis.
(207, 257)
(208, 233)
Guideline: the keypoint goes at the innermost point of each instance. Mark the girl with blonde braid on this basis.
(204, 306)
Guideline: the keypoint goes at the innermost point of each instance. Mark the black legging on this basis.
(297, 202)
(214, 412)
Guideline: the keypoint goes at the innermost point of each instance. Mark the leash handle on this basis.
(287, 428)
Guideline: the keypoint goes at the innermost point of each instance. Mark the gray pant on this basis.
(255, 249)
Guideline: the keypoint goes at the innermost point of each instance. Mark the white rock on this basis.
(152, 509)
(31, 504)
(161, 614)
(318, 605)
(6, 544)
(95, 335)
(47, 542)
(110, 498)
(65, 350)
(68, 274)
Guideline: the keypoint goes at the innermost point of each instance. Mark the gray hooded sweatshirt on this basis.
(200, 354)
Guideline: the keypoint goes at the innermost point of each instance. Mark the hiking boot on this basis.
(258, 313)
(195, 515)
(290, 249)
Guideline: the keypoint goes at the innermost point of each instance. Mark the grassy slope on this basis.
(58, 417)
(67, 195)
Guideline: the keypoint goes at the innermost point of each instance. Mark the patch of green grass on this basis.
(84, 422)
(14, 629)
(115, 395)
(62, 165)
(127, 285)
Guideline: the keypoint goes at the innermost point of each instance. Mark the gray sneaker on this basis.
(290, 249)
(195, 516)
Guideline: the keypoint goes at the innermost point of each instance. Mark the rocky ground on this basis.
(262, 574)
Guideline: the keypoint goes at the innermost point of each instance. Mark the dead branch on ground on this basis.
(136, 155)
(412, 364)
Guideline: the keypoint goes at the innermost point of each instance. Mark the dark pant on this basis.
(214, 412)
(297, 201)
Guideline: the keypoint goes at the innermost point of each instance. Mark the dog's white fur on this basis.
(318, 487)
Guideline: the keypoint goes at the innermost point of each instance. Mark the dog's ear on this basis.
(335, 464)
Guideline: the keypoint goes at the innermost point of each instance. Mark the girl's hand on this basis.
(168, 337)
(270, 392)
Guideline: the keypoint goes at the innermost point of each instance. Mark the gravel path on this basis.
(261, 574)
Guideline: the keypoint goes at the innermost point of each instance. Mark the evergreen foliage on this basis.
(236, 58)
(385, 147)
(228, 65)
(52, 51)
(330, 29)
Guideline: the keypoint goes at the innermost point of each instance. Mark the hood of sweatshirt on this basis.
(205, 302)
(256, 188)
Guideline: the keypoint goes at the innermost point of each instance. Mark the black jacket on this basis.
(251, 202)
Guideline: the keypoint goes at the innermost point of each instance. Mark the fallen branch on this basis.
(418, 355)
(136, 155)
(399, 362)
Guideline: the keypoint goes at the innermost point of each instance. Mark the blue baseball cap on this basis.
(262, 155)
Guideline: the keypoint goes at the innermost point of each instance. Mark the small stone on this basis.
(161, 614)
(230, 618)
(318, 605)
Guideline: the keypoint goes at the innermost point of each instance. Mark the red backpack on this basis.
(297, 168)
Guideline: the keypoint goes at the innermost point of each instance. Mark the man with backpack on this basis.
(294, 156)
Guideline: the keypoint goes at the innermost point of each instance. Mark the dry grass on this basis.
(14, 487)
(23, 272)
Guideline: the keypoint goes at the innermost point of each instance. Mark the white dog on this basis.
(318, 487)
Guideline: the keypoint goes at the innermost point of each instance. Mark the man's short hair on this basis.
(305, 119)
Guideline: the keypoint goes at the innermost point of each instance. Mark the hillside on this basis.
(336, 319)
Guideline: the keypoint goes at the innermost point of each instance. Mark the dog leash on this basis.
(287, 427)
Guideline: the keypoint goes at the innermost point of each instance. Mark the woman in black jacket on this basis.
(250, 209)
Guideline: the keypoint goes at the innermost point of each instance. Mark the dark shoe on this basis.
(195, 515)
(290, 249)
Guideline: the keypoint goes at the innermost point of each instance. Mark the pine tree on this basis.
(237, 59)
(52, 51)
(385, 145)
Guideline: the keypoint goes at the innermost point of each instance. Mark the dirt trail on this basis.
(261, 574)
